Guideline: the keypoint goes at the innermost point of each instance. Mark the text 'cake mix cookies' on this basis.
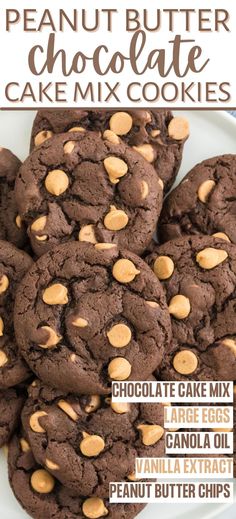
(89, 314)
(203, 203)
(87, 442)
(155, 134)
(199, 278)
(11, 227)
(14, 264)
(43, 497)
(79, 186)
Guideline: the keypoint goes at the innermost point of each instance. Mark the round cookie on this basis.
(14, 264)
(88, 442)
(43, 497)
(155, 134)
(11, 403)
(203, 203)
(199, 277)
(89, 314)
(79, 186)
(11, 227)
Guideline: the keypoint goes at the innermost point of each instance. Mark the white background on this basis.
(15, 45)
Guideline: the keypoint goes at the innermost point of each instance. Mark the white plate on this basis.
(212, 133)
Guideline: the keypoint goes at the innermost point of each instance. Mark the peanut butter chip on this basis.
(116, 168)
(144, 189)
(121, 123)
(25, 447)
(161, 183)
(164, 267)
(39, 225)
(231, 344)
(68, 409)
(1, 327)
(56, 294)
(4, 284)
(132, 477)
(92, 445)
(116, 219)
(34, 421)
(119, 335)
(3, 358)
(152, 304)
(42, 482)
(50, 465)
(18, 221)
(68, 147)
(221, 235)
(151, 434)
(77, 129)
(146, 150)
(179, 306)
(111, 137)
(155, 133)
(205, 189)
(56, 182)
(185, 362)
(178, 128)
(120, 407)
(105, 246)
(94, 507)
(119, 369)
(124, 271)
(42, 136)
(87, 234)
(80, 322)
(94, 404)
(209, 258)
(53, 338)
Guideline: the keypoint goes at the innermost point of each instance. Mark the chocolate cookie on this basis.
(11, 227)
(89, 314)
(45, 498)
(155, 134)
(199, 277)
(79, 186)
(88, 442)
(11, 403)
(203, 203)
(14, 264)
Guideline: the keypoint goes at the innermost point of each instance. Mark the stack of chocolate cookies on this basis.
(94, 299)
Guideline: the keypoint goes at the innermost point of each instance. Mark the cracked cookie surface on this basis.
(89, 314)
(89, 441)
(14, 264)
(203, 203)
(11, 226)
(11, 403)
(78, 186)
(44, 498)
(154, 133)
(198, 275)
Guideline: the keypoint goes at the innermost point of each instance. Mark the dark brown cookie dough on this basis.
(203, 203)
(45, 498)
(11, 403)
(86, 315)
(79, 186)
(199, 277)
(156, 134)
(14, 264)
(88, 442)
(11, 227)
